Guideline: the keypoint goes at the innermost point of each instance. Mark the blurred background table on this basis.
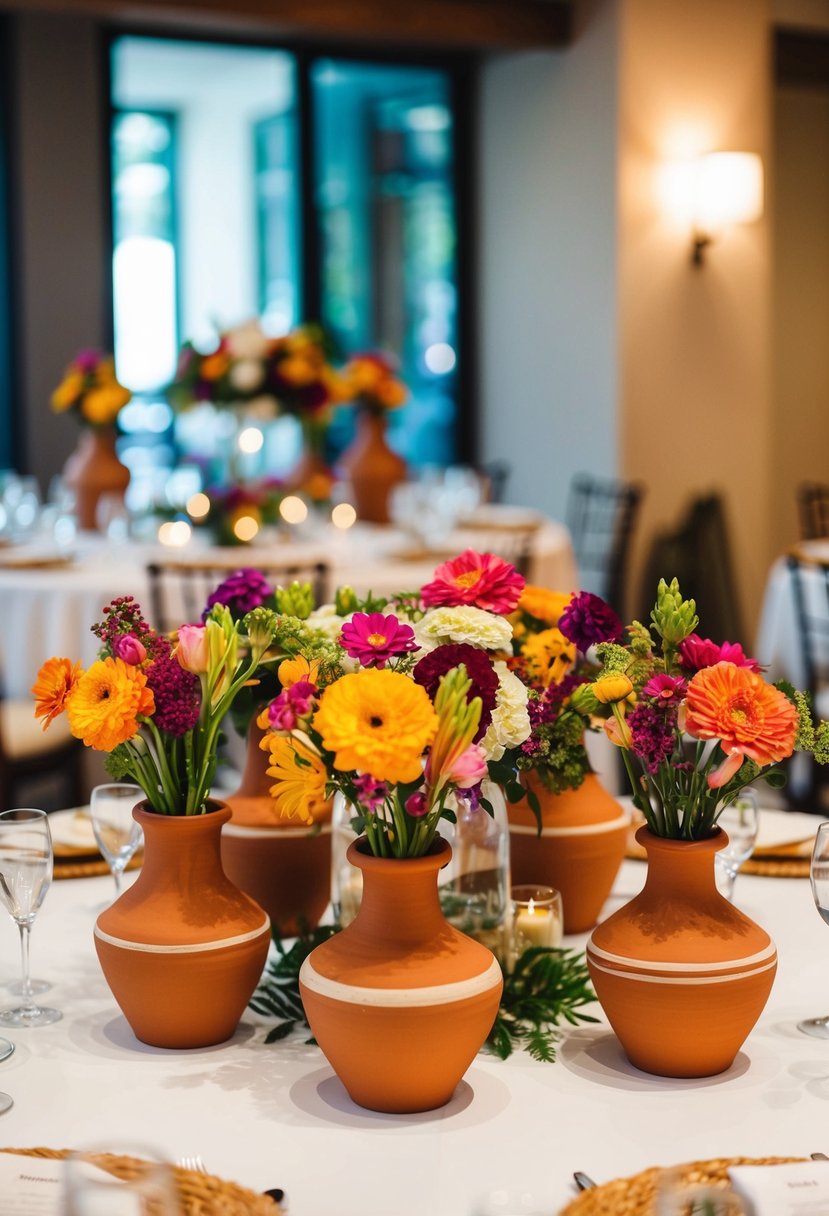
(276, 1115)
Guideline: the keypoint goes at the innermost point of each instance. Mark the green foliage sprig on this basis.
(278, 992)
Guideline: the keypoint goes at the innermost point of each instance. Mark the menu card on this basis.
(797, 1189)
(33, 1186)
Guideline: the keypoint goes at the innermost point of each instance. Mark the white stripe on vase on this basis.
(190, 948)
(645, 964)
(698, 980)
(585, 829)
(276, 832)
(436, 994)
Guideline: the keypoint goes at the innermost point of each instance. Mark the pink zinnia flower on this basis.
(127, 647)
(372, 639)
(370, 793)
(480, 580)
(695, 653)
(292, 704)
(665, 688)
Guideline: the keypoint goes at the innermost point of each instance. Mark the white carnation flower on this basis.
(464, 624)
(325, 619)
(246, 375)
(510, 723)
(247, 341)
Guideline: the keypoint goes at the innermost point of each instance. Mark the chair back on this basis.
(809, 576)
(179, 590)
(601, 516)
(813, 510)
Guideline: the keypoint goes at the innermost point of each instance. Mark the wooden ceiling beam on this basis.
(435, 24)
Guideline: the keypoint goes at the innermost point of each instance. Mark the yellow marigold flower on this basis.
(300, 776)
(67, 392)
(615, 686)
(377, 721)
(291, 671)
(101, 405)
(105, 703)
(54, 682)
(214, 366)
(548, 656)
(543, 604)
(390, 393)
(297, 370)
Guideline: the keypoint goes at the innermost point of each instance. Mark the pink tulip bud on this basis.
(128, 648)
(191, 651)
(416, 804)
(469, 768)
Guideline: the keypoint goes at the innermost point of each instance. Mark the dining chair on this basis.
(809, 575)
(179, 590)
(31, 759)
(601, 516)
(813, 509)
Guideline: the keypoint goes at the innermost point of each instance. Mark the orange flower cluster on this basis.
(103, 704)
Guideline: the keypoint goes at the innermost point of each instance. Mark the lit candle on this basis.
(536, 918)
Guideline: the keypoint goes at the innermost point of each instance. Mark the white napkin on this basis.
(798, 1189)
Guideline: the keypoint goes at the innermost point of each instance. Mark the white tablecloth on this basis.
(276, 1115)
(50, 611)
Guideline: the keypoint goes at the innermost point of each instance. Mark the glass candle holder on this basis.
(537, 918)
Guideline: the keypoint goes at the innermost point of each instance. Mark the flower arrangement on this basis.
(91, 390)
(372, 384)
(292, 374)
(154, 703)
(696, 722)
(238, 512)
(398, 704)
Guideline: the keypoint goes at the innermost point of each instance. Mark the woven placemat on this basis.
(637, 1195)
(87, 867)
(199, 1194)
(769, 867)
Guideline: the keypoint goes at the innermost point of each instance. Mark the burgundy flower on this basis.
(430, 670)
(587, 619)
(652, 731)
(373, 639)
(371, 793)
(416, 804)
(243, 591)
(177, 695)
(696, 652)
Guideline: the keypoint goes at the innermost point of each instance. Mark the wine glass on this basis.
(116, 832)
(25, 875)
(819, 876)
(116, 1178)
(6, 1100)
(741, 822)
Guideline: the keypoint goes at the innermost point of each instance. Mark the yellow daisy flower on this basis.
(543, 604)
(377, 721)
(548, 656)
(105, 703)
(300, 776)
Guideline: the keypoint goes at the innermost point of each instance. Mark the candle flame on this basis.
(531, 907)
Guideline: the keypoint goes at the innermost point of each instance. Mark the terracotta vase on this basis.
(373, 469)
(285, 867)
(183, 948)
(579, 851)
(94, 470)
(311, 474)
(681, 973)
(400, 1001)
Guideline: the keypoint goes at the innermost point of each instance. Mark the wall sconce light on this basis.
(727, 189)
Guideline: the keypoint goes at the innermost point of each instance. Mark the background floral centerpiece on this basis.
(90, 390)
(237, 513)
(372, 466)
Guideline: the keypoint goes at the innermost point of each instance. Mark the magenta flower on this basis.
(696, 652)
(243, 591)
(480, 580)
(371, 793)
(665, 688)
(652, 733)
(587, 620)
(126, 646)
(285, 710)
(430, 670)
(373, 639)
(416, 804)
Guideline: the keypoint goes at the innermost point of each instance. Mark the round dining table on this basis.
(50, 600)
(275, 1115)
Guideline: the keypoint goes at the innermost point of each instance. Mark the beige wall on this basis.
(695, 400)
(800, 228)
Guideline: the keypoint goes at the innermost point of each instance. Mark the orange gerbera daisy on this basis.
(106, 702)
(377, 721)
(749, 717)
(53, 685)
(300, 778)
(543, 604)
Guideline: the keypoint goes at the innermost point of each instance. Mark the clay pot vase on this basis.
(400, 1001)
(183, 948)
(94, 470)
(681, 973)
(311, 474)
(284, 866)
(372, 468)
(579, 851)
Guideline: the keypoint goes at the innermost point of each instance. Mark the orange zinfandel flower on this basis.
(106, 703)
(53, 685)
(749, 716)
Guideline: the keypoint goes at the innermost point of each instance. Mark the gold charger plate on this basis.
(199, 1194)
(637, 1195)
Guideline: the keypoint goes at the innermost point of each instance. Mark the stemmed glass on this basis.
(741, 822)
(25, 875)
(116, 832)
(819, 875)
(6, 1100)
